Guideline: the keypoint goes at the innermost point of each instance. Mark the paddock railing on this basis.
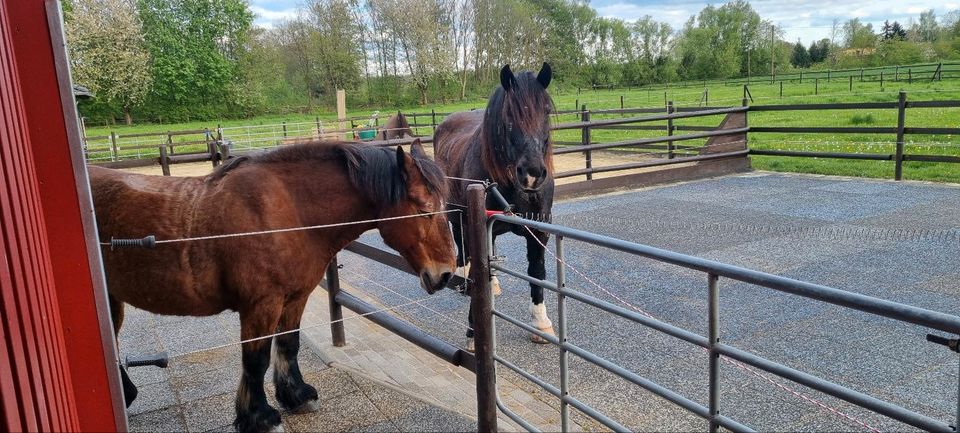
(714, 349)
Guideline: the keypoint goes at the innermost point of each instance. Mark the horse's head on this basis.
(425, 241)
(518, 117)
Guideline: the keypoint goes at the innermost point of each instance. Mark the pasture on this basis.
(762, 92)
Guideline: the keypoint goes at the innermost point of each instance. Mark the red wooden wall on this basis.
(57, 359)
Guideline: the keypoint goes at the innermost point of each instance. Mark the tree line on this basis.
(176, 60)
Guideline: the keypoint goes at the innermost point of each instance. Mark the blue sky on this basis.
(807, 20)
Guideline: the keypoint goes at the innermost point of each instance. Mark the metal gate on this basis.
(714, 271)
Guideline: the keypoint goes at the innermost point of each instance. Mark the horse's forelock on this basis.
(527, 106)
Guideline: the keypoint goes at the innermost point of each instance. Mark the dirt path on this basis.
(562, 163)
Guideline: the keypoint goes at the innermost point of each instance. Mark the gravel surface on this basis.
(858, 235)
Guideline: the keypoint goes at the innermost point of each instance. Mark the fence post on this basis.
(828, 75)
(170, 141)
(481, 307)
(319, 128)
(901, 117)
(113, 145)
(670, 110)
(211, 147)
(433, 118)
(801, 77)
(713, 315)
(896, 76)
(851, 83)
(706, 97)
(164, 160)
(881, 81)
(861, 75)
(621, 103)
(576, 104)
(816, 86)
(909, 76)
(336, 311)
(283, 124)
(781, 89)
(585, 138)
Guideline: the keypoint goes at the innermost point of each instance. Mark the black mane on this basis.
(372, 170)
(520, 105)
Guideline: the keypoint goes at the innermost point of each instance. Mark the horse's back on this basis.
(454, 133)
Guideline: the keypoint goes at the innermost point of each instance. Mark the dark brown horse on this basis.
(508, 143)
(397, 126)
(267, 278)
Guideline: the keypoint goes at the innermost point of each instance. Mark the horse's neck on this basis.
(326, 196)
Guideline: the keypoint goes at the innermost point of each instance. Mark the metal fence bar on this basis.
(562, 335)
(713, 316)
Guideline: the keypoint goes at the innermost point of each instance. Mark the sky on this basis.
(806, 20)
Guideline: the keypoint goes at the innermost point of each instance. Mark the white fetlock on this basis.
(540, 321)
(470, 345)
(495, 286)
(463, 271)
(277, 429)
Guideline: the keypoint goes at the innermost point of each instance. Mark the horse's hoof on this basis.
(470, 345)
(540, 340)
(495, 286)
(308, 406)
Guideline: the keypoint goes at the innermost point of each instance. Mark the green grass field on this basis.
(764, 93)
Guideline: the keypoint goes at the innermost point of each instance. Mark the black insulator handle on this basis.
(953, 344)
(147, 242)
(157, 359)
(492, 188)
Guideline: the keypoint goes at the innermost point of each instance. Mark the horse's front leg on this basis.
(537, 269)
(292, 392)
(254, 414)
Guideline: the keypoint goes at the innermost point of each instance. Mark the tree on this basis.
(195, 45)
(858, 36)
(800, 58)
(819, 51)
(893, 31)
(107, 52)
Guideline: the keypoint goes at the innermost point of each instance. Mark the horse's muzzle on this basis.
(434, 283)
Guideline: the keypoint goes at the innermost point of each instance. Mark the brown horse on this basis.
(397, 126)
(267, 278)
(508, 143)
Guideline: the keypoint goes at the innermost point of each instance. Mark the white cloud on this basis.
(268, 18)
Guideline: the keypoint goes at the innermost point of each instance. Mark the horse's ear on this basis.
(406, 163)
(545, 75)
(416, 150)
(506, 77)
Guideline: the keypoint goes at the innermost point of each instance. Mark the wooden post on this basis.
(851, 83)
(211, 147)
(909, 76)
(284, 125)
(781, 89)
(828, 75)
(816, 86)
(896, 76)
(861, 75)
(664, 97)
(113, 145)
(319, 128)
(341, 111)
(670, 110)
(881, 81)
(585, 138)
(481, 308)
(164, 160)
(621, 103)
(433, 118)
(901, 118)
(801, 77)
(706, 97)
(576, 104)
(170, 141)
(336, 311)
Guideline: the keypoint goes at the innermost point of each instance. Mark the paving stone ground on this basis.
(196, 392)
